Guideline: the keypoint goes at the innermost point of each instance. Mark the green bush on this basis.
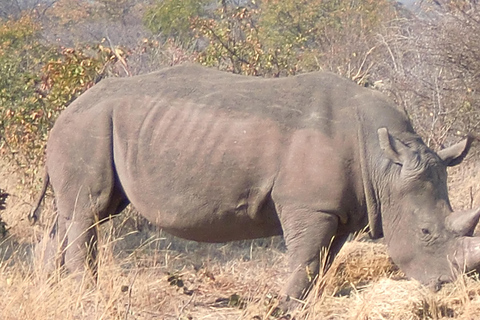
(36, 83)
(21, 56)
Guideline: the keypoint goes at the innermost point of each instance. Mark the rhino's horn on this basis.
(471, 252)
(463, 223)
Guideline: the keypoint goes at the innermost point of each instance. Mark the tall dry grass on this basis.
(148, 282)
(150, 275)
(161, 283)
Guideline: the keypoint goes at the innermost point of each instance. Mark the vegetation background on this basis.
(425, 57)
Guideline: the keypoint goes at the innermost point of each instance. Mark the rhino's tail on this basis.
(35, 213)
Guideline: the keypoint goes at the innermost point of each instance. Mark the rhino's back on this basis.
(314, 99)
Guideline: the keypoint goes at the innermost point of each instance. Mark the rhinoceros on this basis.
(212, 156)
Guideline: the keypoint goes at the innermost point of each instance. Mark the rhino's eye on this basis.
(429, 236)
(425, 232)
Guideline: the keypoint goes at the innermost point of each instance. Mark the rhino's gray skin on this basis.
(212, 156)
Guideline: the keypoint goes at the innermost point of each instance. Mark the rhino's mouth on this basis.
(437, 284)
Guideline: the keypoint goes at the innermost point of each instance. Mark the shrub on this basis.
(37, 81)
(21, 56)
(171, 18)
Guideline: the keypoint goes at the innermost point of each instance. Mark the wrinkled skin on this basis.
(215, 157)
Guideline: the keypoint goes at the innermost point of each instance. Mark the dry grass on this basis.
(170, 284)
(147, 283)
(150, 275)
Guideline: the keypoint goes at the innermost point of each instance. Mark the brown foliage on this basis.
(431, 69)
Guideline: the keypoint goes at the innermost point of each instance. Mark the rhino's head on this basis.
(425, 238)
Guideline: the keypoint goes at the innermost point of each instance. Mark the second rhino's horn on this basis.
(471, 253)
(463, 223)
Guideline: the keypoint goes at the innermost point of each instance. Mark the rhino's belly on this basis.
(209, 213)
(217, 226)
(201, 176)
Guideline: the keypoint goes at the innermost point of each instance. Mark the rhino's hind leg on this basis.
(81, 229)
(80, 211)
(81, 250)
(49, 253)
(308, 236)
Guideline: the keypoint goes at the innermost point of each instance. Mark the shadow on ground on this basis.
(12, 251)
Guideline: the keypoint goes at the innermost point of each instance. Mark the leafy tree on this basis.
(172, 18)
(274, 37)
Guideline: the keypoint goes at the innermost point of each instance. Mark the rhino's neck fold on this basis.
(371, 198)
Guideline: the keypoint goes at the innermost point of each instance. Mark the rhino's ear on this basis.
(455, 154)
(393, 148)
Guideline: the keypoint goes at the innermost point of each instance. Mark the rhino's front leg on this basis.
(308, 235)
